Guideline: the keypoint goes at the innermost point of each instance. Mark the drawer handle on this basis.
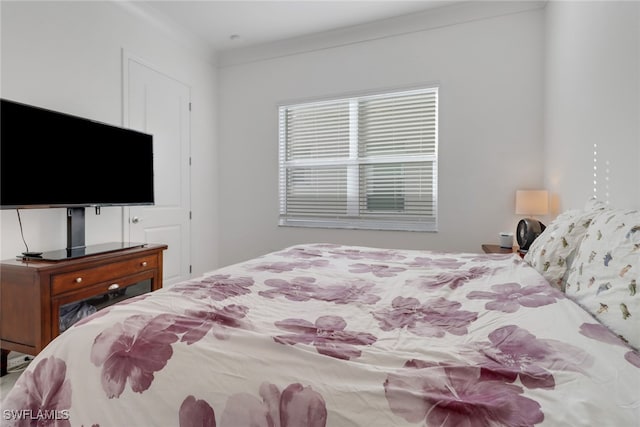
(78, 280)
(143, 263)
(113, 287)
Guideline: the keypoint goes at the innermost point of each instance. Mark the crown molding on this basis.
(443, 16)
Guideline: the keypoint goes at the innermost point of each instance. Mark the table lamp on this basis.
(530, 202)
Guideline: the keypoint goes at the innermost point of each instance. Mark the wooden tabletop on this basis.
(497, 249)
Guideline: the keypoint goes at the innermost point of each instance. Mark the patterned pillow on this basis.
(594, 204)
(606, 271)
(551, 253)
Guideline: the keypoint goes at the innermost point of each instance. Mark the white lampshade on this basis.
(532, 202)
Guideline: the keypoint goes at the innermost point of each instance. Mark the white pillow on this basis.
(551, 253)
(606, 272)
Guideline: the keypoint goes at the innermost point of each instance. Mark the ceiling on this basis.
(231, 24)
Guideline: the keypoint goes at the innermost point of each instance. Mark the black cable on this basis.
(21, 233)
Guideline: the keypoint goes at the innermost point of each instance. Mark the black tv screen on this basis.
(53, 159)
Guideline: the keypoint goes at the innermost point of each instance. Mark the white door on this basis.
(159, 105)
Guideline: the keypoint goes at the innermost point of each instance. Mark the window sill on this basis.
(361, 224)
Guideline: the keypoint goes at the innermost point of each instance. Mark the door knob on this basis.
(135, 220)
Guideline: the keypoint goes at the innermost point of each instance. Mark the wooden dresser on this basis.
(32, 292)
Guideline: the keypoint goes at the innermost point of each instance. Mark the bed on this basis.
(331, 335)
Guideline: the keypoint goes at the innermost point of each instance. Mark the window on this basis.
(361, 162)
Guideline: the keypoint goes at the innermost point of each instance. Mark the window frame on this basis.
(354, 218)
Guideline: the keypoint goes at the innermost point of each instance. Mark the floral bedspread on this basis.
(330, 335)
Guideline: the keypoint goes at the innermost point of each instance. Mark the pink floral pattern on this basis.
(633, 357)
(457, 395)
(217, 287)
(132, 352)
(386, 337)
(453, 279)
(601, 333)
(195, 324)
(304, 253)
(283, 266)
(357, 254)
(359, 292)
(514, 352)
(378, 270)
(295, 406)
(443, 262)
(43, 389)
(328, 335)
(432, 319)
(298, 289)
(305, 289)
(509, 297)
(196, 413)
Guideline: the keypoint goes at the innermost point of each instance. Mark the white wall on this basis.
(66, 56)
(592, 96)
(490, 72)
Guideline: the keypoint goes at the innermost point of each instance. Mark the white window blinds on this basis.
(361, 162)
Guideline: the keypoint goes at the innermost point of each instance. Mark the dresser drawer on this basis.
(66, 282)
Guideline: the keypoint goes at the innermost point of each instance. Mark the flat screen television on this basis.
(50, 159)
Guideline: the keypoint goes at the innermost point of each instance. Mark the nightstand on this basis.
(496, 249)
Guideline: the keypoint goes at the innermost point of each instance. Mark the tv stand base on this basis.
(66, 254)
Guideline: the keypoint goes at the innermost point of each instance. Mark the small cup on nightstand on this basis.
(506, 240)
